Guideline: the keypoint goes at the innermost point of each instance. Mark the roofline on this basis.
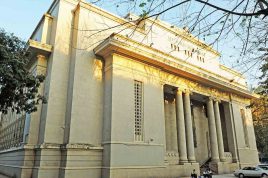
(176, 30)
(107, 45)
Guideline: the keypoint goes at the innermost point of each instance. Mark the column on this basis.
(181, 128)
(219, 130)
(212, 131)
(189, 127)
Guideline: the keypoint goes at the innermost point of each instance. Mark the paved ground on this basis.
(224, 176)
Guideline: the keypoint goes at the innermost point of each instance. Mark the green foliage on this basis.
(259, 109)
(261, 132)
(18, 87)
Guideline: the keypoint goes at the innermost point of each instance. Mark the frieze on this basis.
(240, 99)
(162, 77)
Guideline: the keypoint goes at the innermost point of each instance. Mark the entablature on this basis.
(128, 47)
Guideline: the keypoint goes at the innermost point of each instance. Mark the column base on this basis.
(215, 160)
(191, 160)
(223, 167)
(181, 162)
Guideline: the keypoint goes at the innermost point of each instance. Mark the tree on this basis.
(260, 120)
(18, 87)
(240, 23)
(264, 76)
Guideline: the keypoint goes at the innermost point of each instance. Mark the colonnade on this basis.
(184, 128)
(215, 130)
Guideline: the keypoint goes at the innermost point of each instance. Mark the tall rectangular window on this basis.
(138, 95)
(243, 115)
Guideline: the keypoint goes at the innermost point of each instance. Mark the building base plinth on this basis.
(154, 172)
(223, 167)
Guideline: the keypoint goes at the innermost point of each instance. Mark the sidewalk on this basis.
(224, 176)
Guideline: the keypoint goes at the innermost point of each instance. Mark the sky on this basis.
(21, 17)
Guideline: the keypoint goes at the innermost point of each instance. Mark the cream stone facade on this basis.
(126, 99)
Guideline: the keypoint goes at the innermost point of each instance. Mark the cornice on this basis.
(121, 44)
(46, 15)
(231, 71)
(156, 51)
(121, 21)
(36, 45)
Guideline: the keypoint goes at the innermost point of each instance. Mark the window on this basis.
(175, 47)
(201, 59)
(242, 111)
(138, 95)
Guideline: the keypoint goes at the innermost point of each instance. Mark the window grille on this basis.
(138, 94)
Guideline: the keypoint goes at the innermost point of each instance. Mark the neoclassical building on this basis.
(126, 98)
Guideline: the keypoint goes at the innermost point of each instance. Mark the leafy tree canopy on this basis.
(18, 87)
(260, 118)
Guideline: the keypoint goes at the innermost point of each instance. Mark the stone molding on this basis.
(81, 146)
(131, 143)
(68, 146)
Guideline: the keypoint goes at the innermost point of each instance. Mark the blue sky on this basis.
(21, 16)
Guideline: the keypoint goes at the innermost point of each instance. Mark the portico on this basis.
(179, 119)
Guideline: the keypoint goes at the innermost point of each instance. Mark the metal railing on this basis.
(12, 134)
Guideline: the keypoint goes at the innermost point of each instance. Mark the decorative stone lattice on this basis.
(138, 92)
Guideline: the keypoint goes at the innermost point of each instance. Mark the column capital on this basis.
(161, 82)
(218, 100)
(210, 98)
(180, 90)
(40, 56)
(213, 98)
(41, 64)
(188, 91)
